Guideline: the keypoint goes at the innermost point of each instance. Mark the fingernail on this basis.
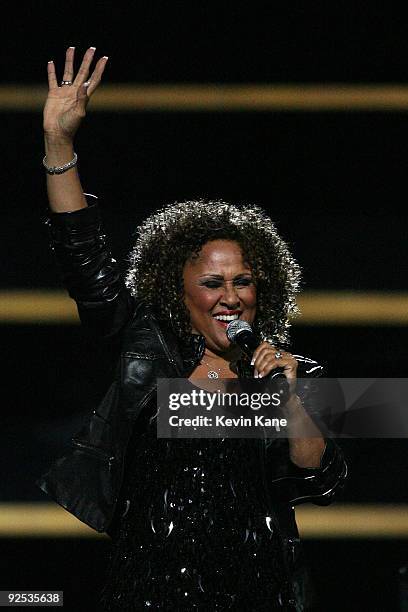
(51, 62)
(260, 375)
(253, 361)
(93, 48)
(105, 57)
(71, 47)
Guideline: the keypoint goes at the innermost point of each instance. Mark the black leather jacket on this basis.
(87, 478)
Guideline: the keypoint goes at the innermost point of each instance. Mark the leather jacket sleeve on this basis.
(89, 272)
(296, 485)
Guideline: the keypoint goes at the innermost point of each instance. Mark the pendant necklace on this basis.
(211, 372)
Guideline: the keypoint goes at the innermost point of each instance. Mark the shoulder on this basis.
(146, 332)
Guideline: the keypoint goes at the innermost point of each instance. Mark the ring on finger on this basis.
(66, 83)
(278, 355)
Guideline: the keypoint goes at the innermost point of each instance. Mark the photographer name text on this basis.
(224, 421)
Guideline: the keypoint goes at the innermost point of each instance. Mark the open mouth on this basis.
(225, 319)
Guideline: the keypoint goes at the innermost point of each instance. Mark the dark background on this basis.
(335, 183)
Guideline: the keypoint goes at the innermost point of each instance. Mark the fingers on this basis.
(83, 97)
(96, 76)
(69, 64)
(265, 346)
(264, 361)
(83, 71)
(52, 79)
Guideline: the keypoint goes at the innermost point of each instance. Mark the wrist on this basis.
(60, 169)
(58, 151)
(307, 452)
(54, 140)
(293, 403)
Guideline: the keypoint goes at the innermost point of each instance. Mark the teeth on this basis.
(227, 317)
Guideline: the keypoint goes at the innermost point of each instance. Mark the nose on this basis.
(230, 298)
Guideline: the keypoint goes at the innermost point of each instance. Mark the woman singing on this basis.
(196, 524)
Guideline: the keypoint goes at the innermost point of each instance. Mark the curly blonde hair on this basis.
(177, 232)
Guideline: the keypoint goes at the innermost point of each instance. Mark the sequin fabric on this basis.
(196, 533)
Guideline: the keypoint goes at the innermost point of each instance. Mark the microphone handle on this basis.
(247, 342)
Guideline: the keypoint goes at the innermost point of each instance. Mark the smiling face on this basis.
(218, 288)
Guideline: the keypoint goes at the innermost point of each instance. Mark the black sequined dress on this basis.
(196, 532)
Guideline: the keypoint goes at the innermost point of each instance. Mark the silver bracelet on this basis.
(60, 169)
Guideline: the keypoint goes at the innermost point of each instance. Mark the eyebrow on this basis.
(220, 277)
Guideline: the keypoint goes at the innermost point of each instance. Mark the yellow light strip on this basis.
(353, 308)
(37, 306)
(353, 521)
(220, 97)
(40, 519)
(47, 519)
(318, 308)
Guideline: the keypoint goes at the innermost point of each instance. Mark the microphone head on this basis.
(236, 327)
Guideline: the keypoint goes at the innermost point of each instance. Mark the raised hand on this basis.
(66, 104)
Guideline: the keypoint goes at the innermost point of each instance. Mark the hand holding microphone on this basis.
(266, 359)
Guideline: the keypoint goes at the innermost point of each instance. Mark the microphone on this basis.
(240, 333)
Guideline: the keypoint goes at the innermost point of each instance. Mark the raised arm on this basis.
(89, 272)
(63, 112)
